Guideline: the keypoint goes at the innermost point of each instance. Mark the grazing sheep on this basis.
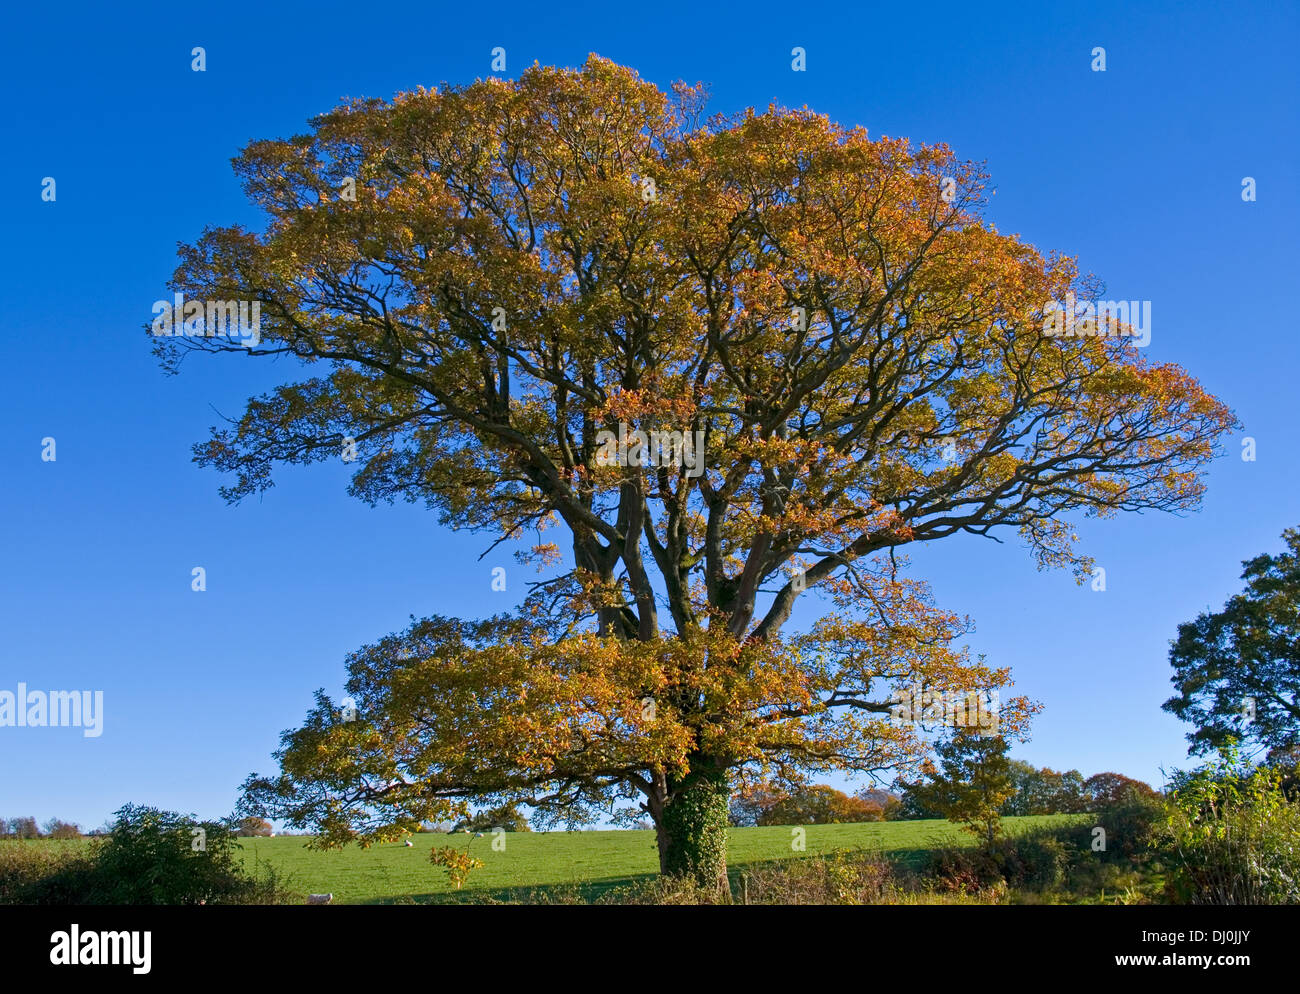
(319, 898)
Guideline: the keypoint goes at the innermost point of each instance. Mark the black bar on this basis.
(932, 945)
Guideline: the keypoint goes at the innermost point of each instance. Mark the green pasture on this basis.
(595, 861)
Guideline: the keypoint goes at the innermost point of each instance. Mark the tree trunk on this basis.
(692, 829)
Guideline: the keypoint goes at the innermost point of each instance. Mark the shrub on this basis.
(35, 872)
(1233, 837)
(160, 857)
(146, 857)
(667, 889)
(841, 878)
(1036, 861)
(961, 870)
(1041, 860)
(1132, 823)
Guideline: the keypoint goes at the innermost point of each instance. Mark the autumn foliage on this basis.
(479, 280)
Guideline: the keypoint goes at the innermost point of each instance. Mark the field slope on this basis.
(595, 861)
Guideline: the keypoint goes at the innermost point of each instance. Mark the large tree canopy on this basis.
(1237, 671)
(525, 265)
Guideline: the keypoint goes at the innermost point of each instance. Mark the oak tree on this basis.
(484, 284)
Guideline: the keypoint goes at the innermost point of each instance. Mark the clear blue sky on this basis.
(1136, 170)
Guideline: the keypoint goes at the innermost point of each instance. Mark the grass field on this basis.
(595, 861)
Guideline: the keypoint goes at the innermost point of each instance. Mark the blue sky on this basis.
(1136, 170)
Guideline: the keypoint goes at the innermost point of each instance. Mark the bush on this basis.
(147, 857)
(1132, 823)
(960, 870)
(1233, 837)
(35, 872)
(1039, 861)
(160, 857)
(838, 878)
(667, 889)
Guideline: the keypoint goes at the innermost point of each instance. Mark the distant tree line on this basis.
(812, 804)
(1039, 791)
(56, 828)
(1033, 791)
(26, 828)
